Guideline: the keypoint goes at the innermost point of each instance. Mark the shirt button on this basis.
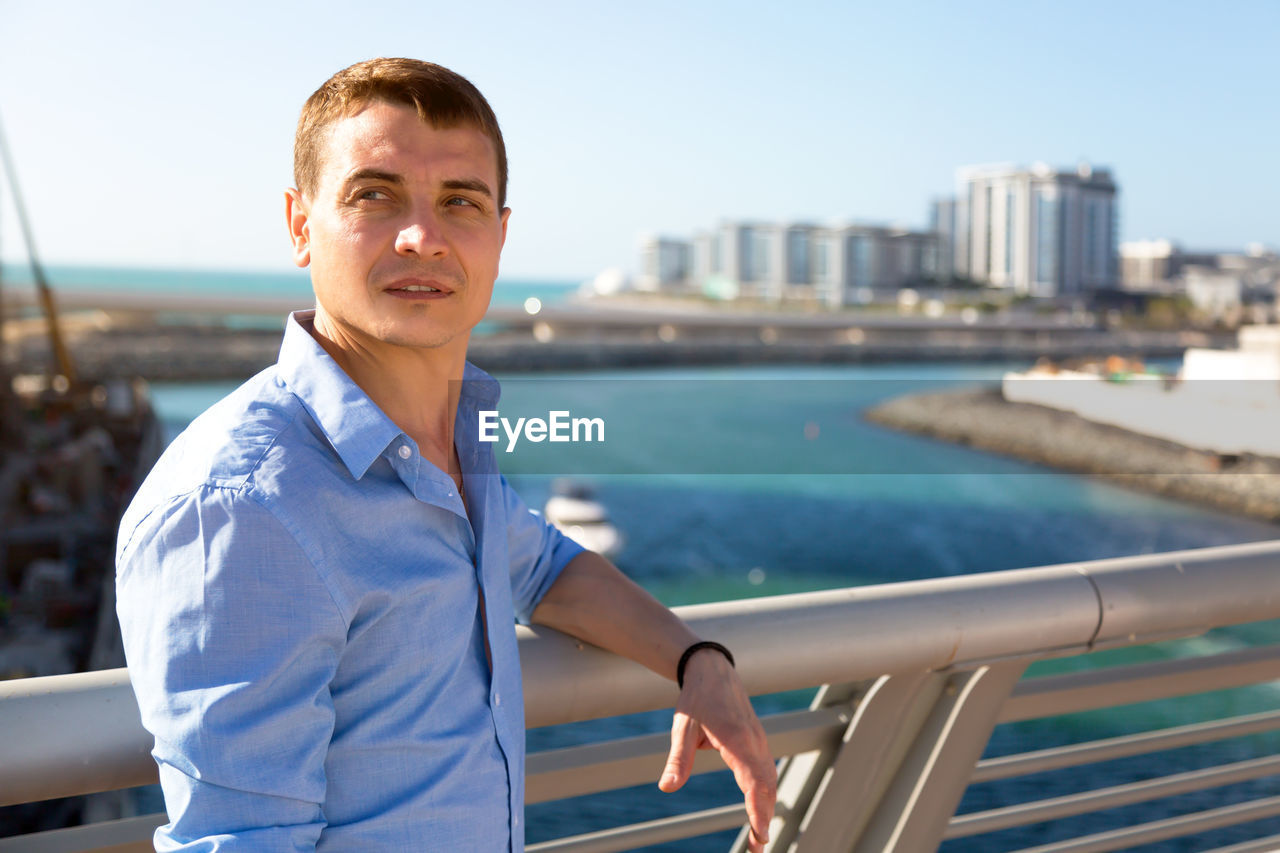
(497, 699)
(405, 452)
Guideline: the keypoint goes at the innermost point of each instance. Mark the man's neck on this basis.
(417, 387)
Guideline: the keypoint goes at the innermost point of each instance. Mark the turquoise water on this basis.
(507, 291)
(764, 520)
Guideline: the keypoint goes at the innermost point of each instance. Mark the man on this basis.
(317, 584)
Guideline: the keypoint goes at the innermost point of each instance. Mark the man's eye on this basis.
(461, 202)
(372, 195)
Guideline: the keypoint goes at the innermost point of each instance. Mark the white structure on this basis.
(855, 259)
(1227, 286)
(665, 263)
(1037, 231)
(1218, 293)
(798, 261)
(751, 255)
(1257, 358)
(1223, 401)
(943, 223)
(1149, 264)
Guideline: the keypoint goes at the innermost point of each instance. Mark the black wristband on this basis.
(688, 653)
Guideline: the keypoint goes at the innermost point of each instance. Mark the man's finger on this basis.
(684, 743)
(760, 802)
(757, 778)
(760, 788)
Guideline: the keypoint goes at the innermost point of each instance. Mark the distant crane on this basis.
(63, 365)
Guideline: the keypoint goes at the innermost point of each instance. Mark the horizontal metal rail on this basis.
(860, 633)
(1143, 743)
(130, 835)
(558, 774)
(650, 832)
(77, 734)
(1091, 690)
(1161, 830)
(1258, 845)
(1039, 811)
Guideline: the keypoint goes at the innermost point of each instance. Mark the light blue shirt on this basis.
(300, 594)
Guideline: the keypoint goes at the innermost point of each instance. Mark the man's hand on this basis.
(593, 601)
(714, 712)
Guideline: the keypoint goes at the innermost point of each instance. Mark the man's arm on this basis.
(593, 601)
(232, 640)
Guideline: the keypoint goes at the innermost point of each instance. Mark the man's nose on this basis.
(422, 235)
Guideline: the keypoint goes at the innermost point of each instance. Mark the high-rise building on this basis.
(1037, 231)
(943, 222)
(665, 263)
(792, 261)
(872, 259)
(704, 256)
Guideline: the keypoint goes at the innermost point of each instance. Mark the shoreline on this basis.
(191, 352)
(983, 419)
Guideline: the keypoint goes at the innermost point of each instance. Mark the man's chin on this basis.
(425, 339)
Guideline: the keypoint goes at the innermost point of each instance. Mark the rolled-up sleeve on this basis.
(537, 550)
(232, 640)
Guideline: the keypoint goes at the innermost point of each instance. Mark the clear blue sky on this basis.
(159, 134)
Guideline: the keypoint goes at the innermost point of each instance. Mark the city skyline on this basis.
(925, 222)
(151, 136)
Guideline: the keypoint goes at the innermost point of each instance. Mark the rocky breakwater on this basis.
(982, 418)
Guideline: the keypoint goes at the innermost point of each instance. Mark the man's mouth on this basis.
(420, 288)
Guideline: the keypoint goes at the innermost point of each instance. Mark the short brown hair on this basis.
(443, 98)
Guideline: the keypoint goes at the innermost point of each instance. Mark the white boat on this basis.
(575, 511)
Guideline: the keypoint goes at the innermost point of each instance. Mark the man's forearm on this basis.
(593, 601)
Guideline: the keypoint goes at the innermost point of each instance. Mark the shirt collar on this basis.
(357, 428)
(478, 388)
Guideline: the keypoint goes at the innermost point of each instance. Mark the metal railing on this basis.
(914, 677)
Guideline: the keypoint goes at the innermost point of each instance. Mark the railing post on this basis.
(800, 775)
(927, 786)
(887, 724)
(895, 777)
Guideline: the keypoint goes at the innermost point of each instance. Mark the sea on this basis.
(233, 283)
(738, 482)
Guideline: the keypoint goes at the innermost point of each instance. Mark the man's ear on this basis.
(297, 217)
(506, 215)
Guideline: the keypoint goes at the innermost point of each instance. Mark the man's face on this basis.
(403, 231)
